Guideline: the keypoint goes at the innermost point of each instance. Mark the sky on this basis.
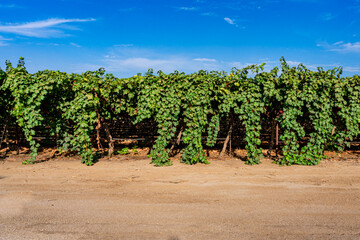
(129, 37)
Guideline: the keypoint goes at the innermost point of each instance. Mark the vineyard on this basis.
(310, 111)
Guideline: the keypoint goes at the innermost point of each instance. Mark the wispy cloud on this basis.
(75, 45)
(9, 6)
(293, 63)
(327, 16)
(314, 67)
(342, 47)
(204, 59)
(124, 45)
(311, 66)
(268, 64)
(338, 43)
(3, 41)
(352, 69)
(348, 47)
(125, 62)
(188, 8)
(132, 65)
(230, 21)
(129, 61)
(41, 29)
(166, 63)
(208, 14)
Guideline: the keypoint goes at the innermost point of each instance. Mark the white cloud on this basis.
(124, 45)
(132, 65)
(41, 29)
(8, 6)
(269, 65)
(311, 67)
(230, 21)
(338, 43)
(3, 41)
(129, 61)
(352, 69)
(314, 67)
(349, 47)
(187, 8)
(208, 14)
(125, 62)
(205, 59)
(341, 47)
(126, 66)
(75, 45)
(293, 63)
(166, 64)
(240, 65)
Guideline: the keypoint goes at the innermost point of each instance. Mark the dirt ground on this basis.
(128, 198)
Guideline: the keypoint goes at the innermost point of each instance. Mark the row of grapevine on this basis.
(187, 106)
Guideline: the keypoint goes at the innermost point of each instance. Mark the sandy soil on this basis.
(128, 198)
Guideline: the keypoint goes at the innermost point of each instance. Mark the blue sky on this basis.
(128, 37)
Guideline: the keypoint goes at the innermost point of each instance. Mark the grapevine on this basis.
(315, 110)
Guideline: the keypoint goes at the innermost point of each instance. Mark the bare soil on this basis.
(128, 198)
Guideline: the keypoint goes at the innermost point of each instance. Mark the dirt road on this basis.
(128, 198)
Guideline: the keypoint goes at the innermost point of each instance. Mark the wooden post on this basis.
(110, 139)
(98, 126)
(277, 138)
(7, 139)
(277, 135)
(3, 134)
(228, 137)
(17, 142)
(230, 144)
(178, 139)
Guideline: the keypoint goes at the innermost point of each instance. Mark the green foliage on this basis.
(250, 106)
(35, 99)
(124, 151)
(6, 99)
(290, 96)
(134, 151)
(314, 109)
(196, 108)
(347, 109)
(159, 98)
